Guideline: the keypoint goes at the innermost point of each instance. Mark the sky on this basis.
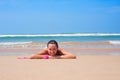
(59, 16)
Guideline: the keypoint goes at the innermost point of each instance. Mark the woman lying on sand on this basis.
(52, 52)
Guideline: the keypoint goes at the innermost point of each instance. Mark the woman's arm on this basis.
(66, 55)
(43, 55)
(39, 55)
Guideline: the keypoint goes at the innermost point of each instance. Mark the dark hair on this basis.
(52, 42)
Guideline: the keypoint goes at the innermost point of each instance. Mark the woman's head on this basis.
(52, 47)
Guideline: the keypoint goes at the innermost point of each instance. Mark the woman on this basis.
(53, 52)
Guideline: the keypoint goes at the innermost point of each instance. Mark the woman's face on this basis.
(52, 49)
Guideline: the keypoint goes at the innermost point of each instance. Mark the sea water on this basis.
(75, 37)
(86, 40)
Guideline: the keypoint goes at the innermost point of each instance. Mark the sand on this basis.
(85, 67)
(95, 61)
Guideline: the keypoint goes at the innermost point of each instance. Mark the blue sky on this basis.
(59, 16)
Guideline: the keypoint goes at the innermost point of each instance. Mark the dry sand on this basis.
(83, 68)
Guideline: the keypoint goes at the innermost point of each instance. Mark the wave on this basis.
(75, 34)
(14, 43)
(30, 42)
(114, 42)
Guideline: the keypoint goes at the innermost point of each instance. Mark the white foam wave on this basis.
(76, 34)
(14, 43)
(115, 42)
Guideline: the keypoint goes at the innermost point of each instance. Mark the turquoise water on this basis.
(60, 37)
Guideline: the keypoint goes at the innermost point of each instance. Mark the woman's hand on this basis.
(54, 57)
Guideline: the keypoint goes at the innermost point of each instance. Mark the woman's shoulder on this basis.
(44, 51)
(59, 52)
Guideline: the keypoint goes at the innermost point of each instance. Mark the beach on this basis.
(86, 32)
(98, 57)
(95, 61)
(85, 67)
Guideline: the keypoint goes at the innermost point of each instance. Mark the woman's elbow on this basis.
(73, 57)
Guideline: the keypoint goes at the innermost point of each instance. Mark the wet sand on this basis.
(77, 48)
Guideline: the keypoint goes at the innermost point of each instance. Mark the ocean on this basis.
(75, 37)
(78, 43)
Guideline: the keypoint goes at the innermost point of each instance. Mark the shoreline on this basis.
(77, 48)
